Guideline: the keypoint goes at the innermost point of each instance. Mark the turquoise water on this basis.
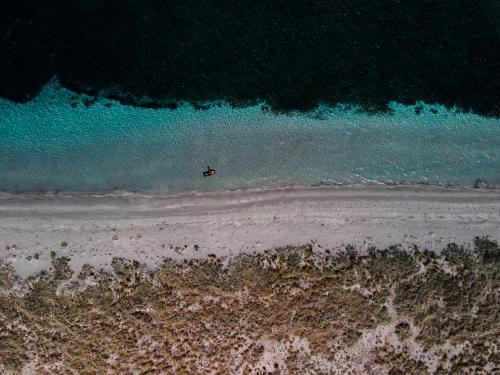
(47, 145)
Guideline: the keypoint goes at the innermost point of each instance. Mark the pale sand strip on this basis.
(149, 229)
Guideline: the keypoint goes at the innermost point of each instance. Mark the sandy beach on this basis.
(94, 229)
(327, 280)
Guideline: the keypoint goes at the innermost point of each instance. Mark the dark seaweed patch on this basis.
(293, 55)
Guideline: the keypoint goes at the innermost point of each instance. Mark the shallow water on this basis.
(48, 145)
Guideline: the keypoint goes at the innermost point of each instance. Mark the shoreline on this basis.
(62, 202)
(149, 228)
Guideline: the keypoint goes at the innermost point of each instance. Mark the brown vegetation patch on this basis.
(305, 310)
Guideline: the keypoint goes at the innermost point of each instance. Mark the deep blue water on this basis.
(291, 54)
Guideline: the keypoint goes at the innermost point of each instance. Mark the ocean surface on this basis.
(142, 96)
(48, 145)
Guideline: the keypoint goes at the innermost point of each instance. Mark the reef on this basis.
(291, 310)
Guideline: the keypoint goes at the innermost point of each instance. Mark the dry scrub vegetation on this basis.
(288, 311)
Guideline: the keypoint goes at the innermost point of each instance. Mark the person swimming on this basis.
(209, 172)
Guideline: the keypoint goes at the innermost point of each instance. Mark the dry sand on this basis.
(94, 229)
